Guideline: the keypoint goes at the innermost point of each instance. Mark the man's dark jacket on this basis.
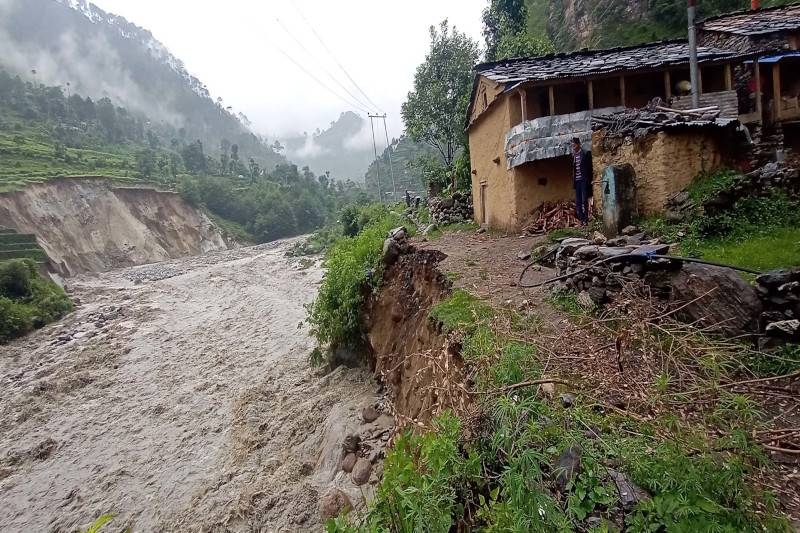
(586, 171)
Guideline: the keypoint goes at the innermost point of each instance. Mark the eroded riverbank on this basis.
(178, 396)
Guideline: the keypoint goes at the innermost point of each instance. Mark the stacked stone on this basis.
(453, 210)
(634, 252)
(760, 182)
(780, 295)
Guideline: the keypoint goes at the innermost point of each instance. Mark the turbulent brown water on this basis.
(178, 396)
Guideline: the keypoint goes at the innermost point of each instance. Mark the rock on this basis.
(629, 493)
(568, 465)
(398, 234)
(785, 329)
(391, 251)
(793, 287)
(630, 230)
(349, 462)
(567, 399)
(774, 279)
(351, 443)
(584, 300)
(605, 252)
(370, 414)
(361, 471)
(617, 241)
(586, 252)
(523, 256)
(428, 229)
(333, 503)
(720, 299)
(597, 294)
(598, 238)
(548, 389)
(569, 245)
(480, 230)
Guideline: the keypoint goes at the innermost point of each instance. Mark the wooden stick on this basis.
(761, 380)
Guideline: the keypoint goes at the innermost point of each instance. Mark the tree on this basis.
(193, 158)
(502, 18)
(435, 110)
(506, 33)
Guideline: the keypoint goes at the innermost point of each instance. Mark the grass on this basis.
(780, 248)
(563, 233)
(451, 228)
(504, 473)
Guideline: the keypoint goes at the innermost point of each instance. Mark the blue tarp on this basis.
(777, 57)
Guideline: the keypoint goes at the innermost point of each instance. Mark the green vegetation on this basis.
(559, 234)
(353, 269)
(27, 300)
(532, 465)
(435, 109)
(758, 232)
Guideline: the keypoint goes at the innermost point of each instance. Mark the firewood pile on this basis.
(653, 117)
(553, 215)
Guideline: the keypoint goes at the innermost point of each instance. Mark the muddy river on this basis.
(178, 397)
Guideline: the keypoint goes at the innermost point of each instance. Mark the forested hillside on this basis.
(78, 48)
(573, 24)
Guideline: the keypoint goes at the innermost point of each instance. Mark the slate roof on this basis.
(587, 63)
(758, 22)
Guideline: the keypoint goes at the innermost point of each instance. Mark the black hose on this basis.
(624, 256)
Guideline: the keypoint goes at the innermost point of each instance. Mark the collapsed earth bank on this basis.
(91, 225)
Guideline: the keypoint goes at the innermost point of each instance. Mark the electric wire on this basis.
(338, 63)
(320, 82)
(321, 65)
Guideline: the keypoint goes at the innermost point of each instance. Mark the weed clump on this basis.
(353, 266)
(27, 300)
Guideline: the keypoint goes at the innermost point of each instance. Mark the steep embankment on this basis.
(88, 225)
(418, 362)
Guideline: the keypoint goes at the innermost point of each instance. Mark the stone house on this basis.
(772, 91)
(523, 113)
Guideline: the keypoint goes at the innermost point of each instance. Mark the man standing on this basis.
(582, 180)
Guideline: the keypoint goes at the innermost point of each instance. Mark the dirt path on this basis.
(177, 396)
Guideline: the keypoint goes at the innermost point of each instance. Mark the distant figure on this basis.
(582, 180)
(417, 201)
(408, 199)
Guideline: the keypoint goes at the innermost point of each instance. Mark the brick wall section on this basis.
(665, 162)
(727, 101)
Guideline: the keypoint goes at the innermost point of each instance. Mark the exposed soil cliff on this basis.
(420, 365)
(88, 225)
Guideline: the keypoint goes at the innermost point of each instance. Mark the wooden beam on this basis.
(759, 109)
(728, 78)
(552, 95)
(590, 88)
(622, 90)
(523, 96)
(667, 85)
(776, 89)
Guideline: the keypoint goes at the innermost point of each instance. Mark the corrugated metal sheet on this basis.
(548, 137)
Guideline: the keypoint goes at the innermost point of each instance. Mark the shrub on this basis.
(353, 268)
(27, 300)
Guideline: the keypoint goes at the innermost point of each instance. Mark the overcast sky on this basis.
(234, 47)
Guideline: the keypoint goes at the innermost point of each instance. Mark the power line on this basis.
(310, 75)
(325, 70)
(389, 151)
(377, 162)
(330, 53)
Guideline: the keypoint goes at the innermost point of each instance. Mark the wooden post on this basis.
(759, 109)
(552, 95)
(524, 101)
(591, 94)
(776, 89)
(699, 81)
(622, 90)
(728, 78)
(667, 85)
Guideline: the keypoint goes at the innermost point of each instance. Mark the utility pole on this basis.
(694, 76)
(377, 163)
(388, 149)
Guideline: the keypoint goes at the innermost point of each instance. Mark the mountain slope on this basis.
(83, 49)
